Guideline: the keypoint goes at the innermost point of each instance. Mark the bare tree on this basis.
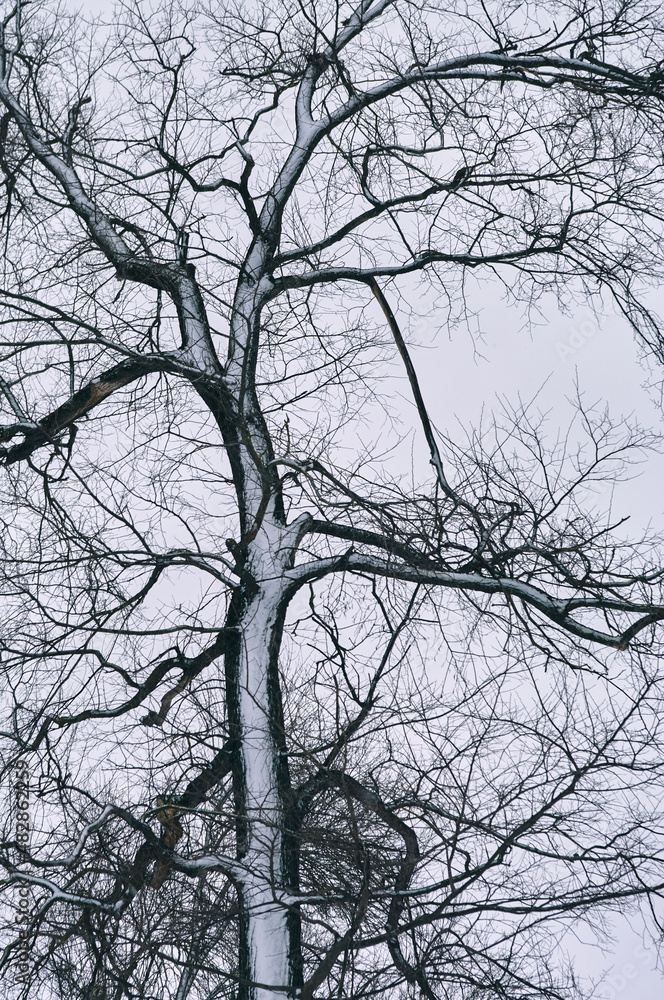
(433, 743)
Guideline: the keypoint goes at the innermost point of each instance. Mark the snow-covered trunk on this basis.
(269, 942)
(265, 932)
(269, 938)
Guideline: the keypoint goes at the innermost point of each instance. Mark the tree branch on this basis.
(554, 608)
(47, 430)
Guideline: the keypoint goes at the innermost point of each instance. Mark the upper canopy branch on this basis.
(365, 274)
(175, 278)
(538, 70)
(535, 70)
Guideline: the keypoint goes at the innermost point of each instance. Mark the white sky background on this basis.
(462, 378)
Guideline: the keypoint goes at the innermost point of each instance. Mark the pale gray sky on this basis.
(601, 354)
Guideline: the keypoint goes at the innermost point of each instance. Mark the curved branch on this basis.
(554, 608)
(126, 888)
(190, 665)
(176, 279)
(352, 788)
(499, 67)
(366, 275)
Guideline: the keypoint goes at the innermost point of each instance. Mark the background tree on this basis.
(299, 725)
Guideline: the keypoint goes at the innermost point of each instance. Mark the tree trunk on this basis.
(261, 776)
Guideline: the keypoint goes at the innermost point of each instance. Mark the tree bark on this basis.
(270, 962)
